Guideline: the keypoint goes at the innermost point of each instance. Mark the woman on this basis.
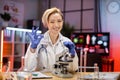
(45, 50)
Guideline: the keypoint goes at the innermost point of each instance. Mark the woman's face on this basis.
(55, 23)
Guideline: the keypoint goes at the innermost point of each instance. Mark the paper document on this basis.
(36, 75)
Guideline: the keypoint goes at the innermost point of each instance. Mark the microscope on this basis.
(60, 67)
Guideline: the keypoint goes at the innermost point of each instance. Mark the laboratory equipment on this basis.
(22, 64)
(83, 65)
(102, 76)
(60, 67)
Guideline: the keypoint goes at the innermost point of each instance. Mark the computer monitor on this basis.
(95, 42)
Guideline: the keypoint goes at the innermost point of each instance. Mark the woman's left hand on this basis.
(71, 47)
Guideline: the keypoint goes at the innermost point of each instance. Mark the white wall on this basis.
(111, 23)
(30, 9)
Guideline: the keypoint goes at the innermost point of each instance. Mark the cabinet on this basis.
(14, 42)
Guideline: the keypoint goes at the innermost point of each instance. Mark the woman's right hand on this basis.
(35, 38)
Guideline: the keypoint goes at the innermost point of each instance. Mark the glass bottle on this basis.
(96, 71)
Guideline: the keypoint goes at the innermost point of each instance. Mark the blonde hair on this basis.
(48, 12)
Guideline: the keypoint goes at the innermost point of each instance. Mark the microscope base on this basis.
(68, 75)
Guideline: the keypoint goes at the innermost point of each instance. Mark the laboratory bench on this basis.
(88, 76)
(76, 76)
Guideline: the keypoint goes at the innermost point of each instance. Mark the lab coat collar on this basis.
(47, 39)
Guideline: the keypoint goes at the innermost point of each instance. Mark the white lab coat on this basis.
(46, 58)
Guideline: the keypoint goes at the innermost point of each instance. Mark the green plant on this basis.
(67, 30)
(5, 16)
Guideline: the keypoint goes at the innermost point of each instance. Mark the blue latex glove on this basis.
(34, 37)
(71, 47)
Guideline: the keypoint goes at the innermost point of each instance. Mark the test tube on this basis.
(22, 64)
(96, 71)
(22, 61)
(85, 60)
(81, 54)
(8, 68)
